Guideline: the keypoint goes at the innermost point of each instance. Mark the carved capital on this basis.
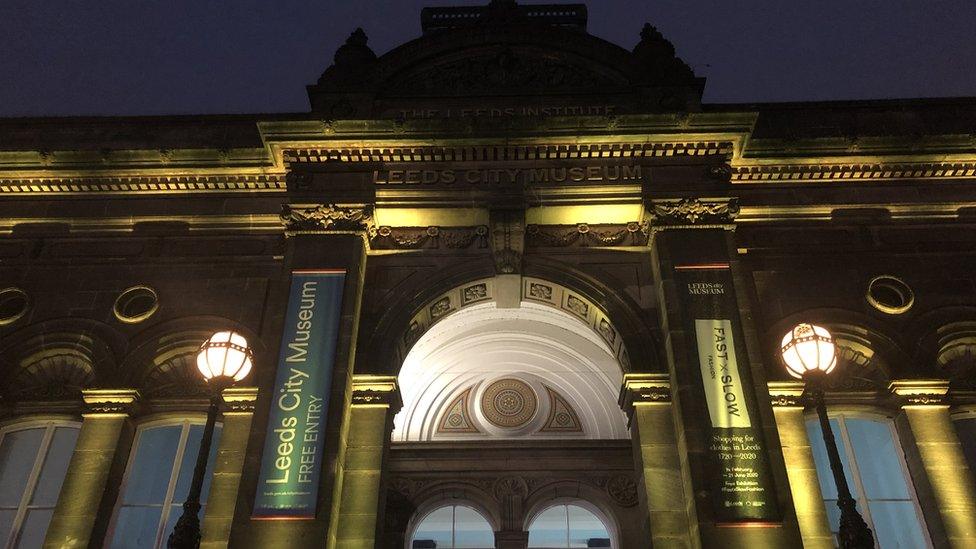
(373, 390)
(239, 400)
(697, 212)
(328, 218)
(786, 394)
(642, 390)
(920, 392)
(102, 402)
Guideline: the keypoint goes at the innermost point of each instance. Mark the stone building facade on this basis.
(530, 224)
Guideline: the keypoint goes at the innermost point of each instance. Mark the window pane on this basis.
(136, 527)
(175, 511)
(34, 528)
(436, 527)
(878, 459)
(55, 466)
(6, 523)
(17, 455)
(896, 525)
(549, 528)
(584, 526)
(471, 530)
(190, 461)
(149, 473)
(824, 475)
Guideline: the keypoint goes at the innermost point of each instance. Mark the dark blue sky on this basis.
(62, 57)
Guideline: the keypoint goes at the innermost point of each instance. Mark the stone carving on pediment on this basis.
(583, 235)
(433, 237)
(328, 218)
(694, 211)
(503, 70)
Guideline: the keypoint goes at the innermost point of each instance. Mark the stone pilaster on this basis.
(320, 237)
(788, 408)
(511, 539)
(375, 400)
(950, 480)
(693, 247)
(88, 471)
(219, 512)
(665, 477)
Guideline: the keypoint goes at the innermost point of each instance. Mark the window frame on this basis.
(184, 422)
(426, 510)
(40, 459)
(606, 518)
(854, 475)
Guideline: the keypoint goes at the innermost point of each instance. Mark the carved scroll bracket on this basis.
(507, 240)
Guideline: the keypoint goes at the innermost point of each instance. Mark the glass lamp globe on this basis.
(808, 348)
(225, 354)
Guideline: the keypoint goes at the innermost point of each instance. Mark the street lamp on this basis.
(223, 360)
(810, 354)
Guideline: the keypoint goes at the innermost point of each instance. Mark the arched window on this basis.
(453, 527)
(156, 483)
(33, 462)
(876, 475)
(567, 526)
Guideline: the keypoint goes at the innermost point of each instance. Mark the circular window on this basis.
(14, 303)
(136, 304)
(890, 295)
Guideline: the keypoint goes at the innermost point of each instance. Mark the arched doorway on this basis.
(515, 408)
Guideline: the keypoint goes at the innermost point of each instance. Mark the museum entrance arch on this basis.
(508, 407)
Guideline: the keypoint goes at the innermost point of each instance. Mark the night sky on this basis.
(125, 57)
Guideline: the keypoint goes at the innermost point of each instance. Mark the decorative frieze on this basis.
(433, 237)
(328, 218)
(644, 389)
(109, 401)
(239, 400)
(694, 211)
(584, 235)
(920, 392)
(786, 394)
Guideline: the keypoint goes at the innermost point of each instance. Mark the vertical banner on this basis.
(737, 465)
(294, 445)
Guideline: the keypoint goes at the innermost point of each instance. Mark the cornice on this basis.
(142, 184)
(878, 170)
(601, 149)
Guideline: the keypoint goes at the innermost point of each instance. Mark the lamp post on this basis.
(223, 360)
(810, 355)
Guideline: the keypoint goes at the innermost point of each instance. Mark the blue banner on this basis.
(291, 465)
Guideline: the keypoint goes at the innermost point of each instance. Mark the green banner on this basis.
(737, 466)
(294, 445)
